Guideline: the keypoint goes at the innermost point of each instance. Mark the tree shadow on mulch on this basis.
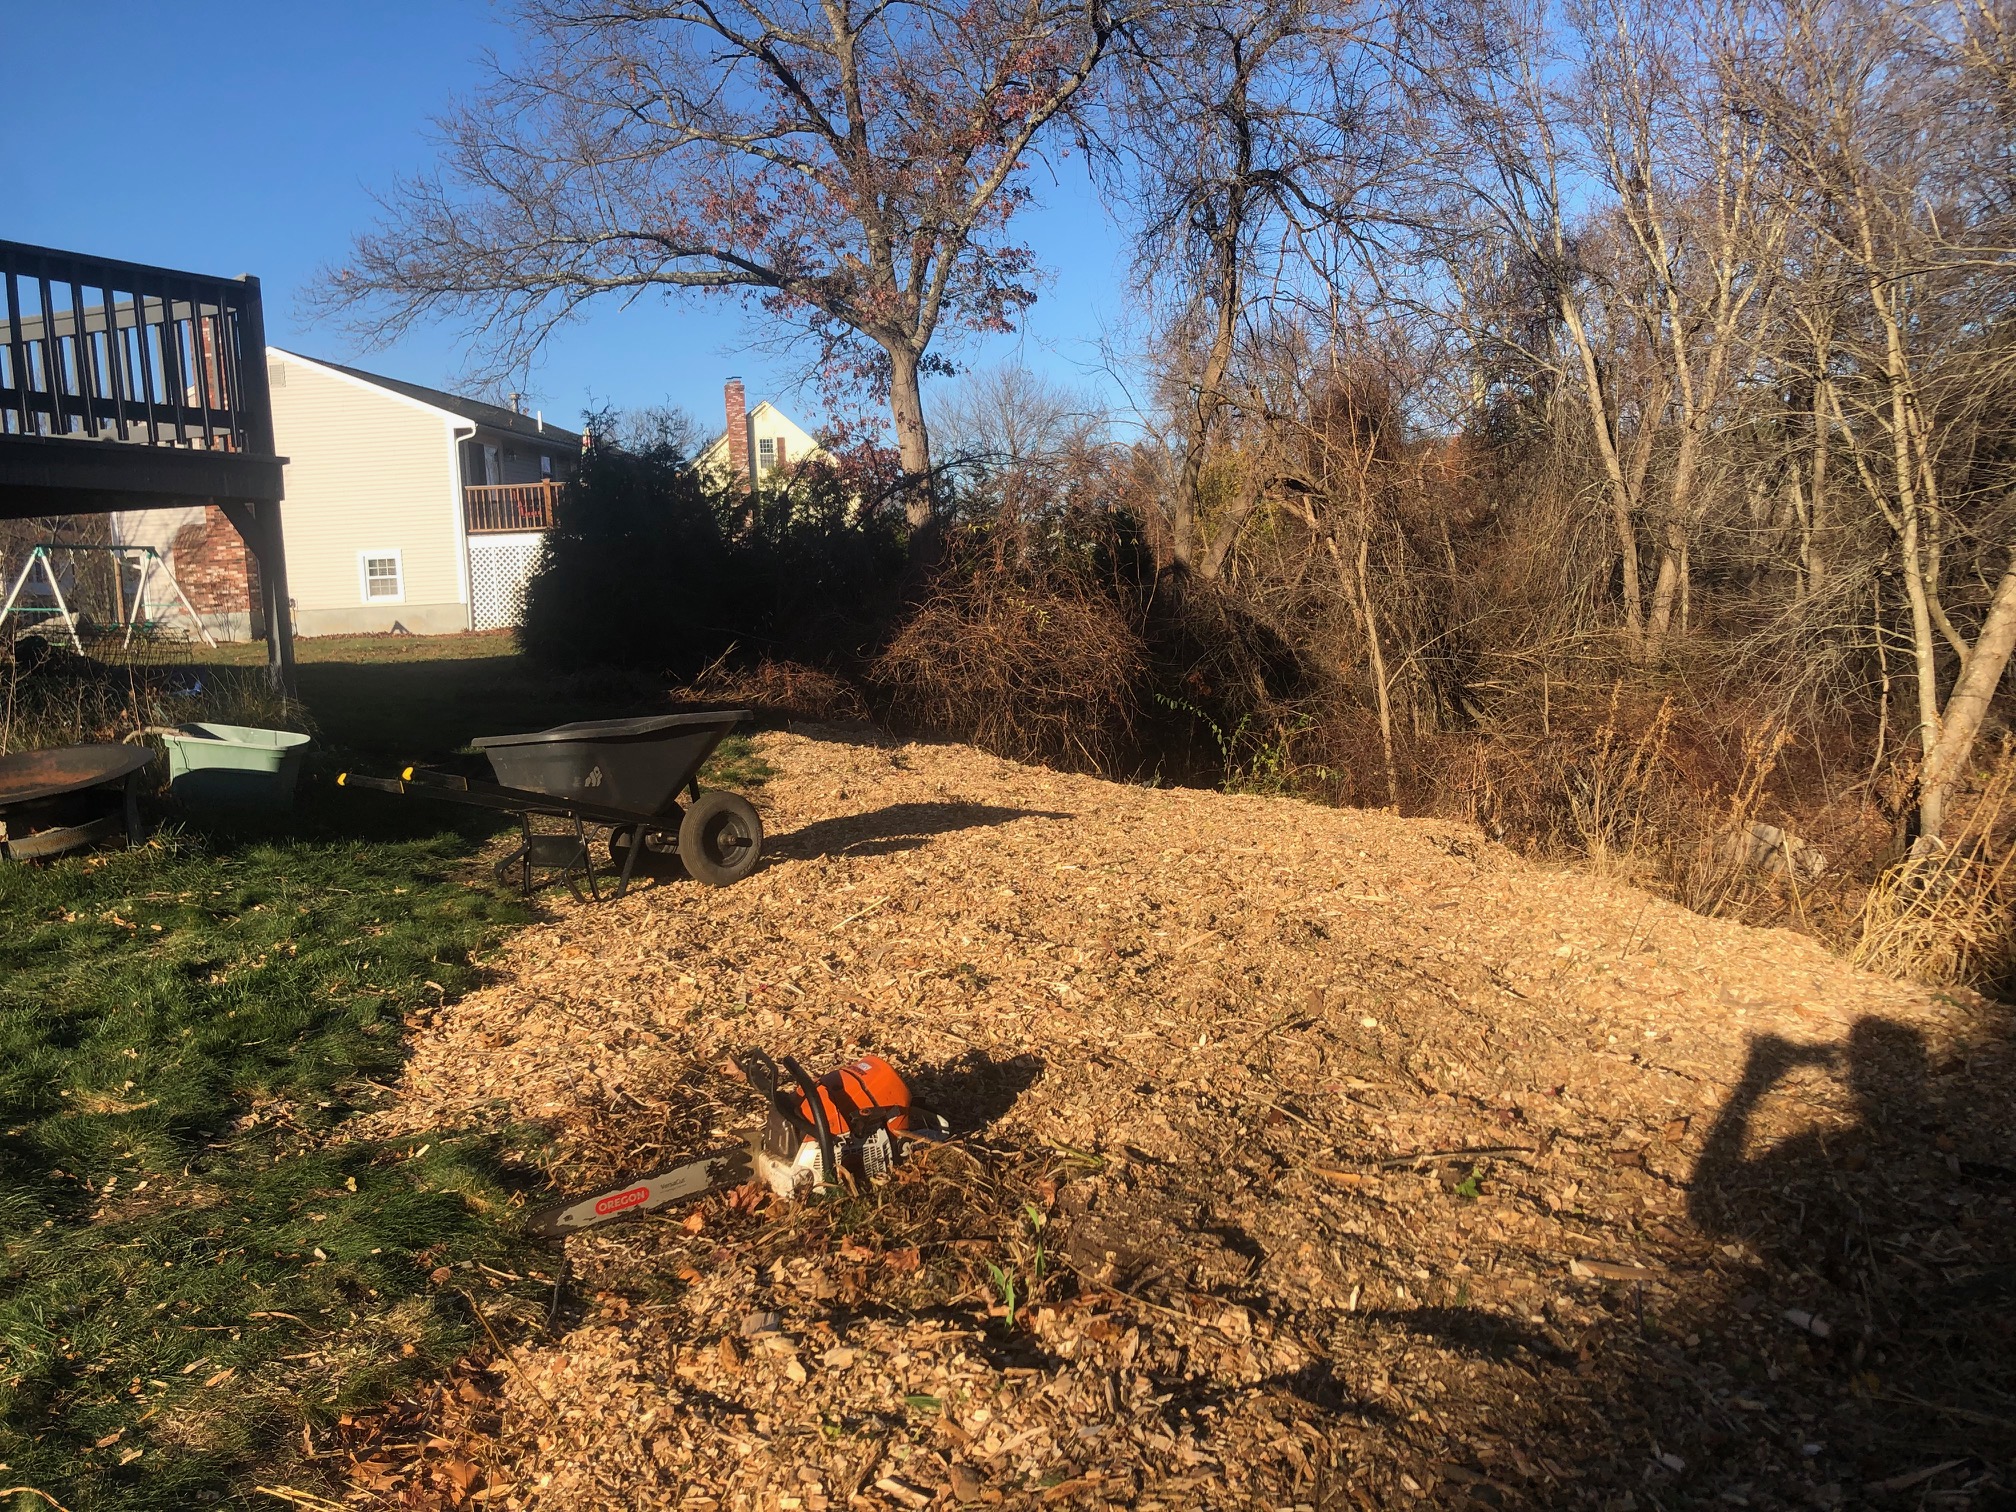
(886, 831)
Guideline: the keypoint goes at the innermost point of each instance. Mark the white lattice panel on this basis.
(498, 568)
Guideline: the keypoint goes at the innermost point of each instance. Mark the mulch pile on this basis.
(1313, 1159)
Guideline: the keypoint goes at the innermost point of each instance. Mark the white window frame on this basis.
(766, 464)
(364, 560)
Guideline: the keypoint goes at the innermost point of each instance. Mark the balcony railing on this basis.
(112, 351)
(489, 509)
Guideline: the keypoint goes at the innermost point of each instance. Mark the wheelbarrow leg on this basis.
(521, 858)
(630, 861)
(587, 860)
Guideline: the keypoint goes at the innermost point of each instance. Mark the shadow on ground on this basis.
(1836, 1330)
(885, 831)
(975, 1090)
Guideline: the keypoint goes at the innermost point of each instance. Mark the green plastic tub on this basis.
(223, 766)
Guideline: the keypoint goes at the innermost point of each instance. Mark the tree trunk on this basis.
(1666, 588)
(1671, 585)
(1211, 565)
(913, 449)
(1966, 708)
(1814, 526)
(1613, 470)
(1203, 414)
(1924, 650)
(1375, 656)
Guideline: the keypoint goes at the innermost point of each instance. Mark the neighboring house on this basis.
(407, 507)
(765, 435)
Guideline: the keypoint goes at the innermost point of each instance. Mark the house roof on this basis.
(720, 441)
(476, 411)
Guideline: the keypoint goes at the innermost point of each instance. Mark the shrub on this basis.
(652, 564)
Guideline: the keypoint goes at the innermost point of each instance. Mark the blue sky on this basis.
(249, 137)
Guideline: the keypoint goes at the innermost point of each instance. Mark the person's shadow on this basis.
(1796, 1200)
(1892, 1231)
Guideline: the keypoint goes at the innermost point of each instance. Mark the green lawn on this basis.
(191, 1267)
(429, 695)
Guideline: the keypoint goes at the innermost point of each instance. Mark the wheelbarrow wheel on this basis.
(661, 853)
(720, 838)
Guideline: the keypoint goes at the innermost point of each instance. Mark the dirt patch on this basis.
(1314, 1158)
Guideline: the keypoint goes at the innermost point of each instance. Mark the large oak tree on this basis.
(852, 166)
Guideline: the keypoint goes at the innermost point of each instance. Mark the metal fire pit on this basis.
(67, 797)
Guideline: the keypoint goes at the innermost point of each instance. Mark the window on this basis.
(383, 581)
(546, 466)
(766, 455)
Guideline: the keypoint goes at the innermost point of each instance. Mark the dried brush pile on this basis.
(1042, 665)
(51, 695)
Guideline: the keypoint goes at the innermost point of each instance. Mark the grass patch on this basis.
(191, 1268)
(195, 1263)
(737, 765)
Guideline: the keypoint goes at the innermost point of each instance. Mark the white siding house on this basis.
(407, 505)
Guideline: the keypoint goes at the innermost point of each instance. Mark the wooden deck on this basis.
(124, 386)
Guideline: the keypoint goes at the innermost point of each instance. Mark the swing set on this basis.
(149, 562)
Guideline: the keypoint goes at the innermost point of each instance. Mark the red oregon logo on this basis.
(617, 1201)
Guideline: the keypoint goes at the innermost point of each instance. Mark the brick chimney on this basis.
(738, 427)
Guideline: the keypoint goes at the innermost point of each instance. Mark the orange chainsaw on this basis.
(852, 1120)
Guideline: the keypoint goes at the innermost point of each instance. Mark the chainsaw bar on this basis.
(723, 1168)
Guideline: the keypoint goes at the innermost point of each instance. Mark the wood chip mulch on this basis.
(1311, 1159)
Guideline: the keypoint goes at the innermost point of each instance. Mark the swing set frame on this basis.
(150, 562)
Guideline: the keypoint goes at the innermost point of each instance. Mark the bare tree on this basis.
(1688, 176)
(1019, 437)
(853, 167)
(1851, 113)
(1243, 139)
(1509, 170)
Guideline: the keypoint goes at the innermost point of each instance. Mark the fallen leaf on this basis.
(966, 1482)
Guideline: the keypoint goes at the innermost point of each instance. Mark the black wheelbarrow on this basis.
(623, 773)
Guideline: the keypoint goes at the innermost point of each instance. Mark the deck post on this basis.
(279, 605)
(265, 537)
(258, 522)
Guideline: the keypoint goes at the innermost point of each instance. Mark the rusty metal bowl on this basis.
(28, 775)
(46, 802)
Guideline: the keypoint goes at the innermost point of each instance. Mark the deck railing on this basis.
(102, 350)
(492, 508)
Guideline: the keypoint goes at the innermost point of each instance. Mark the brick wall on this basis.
(215, 570)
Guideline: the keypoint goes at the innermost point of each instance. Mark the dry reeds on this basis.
(1949, 915)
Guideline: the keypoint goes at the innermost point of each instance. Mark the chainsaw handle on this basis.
(829, 1173)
